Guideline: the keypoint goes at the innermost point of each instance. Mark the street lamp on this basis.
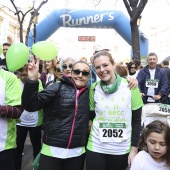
(34, 21)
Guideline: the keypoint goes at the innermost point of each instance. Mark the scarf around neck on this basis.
(113, 88)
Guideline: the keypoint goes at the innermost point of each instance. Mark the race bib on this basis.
(152, 83)
(112, 132)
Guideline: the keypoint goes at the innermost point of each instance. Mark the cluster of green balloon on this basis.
(17, 56)
(1, 49)
(45, 50)
(18, 53)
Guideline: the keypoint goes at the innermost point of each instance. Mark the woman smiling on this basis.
(66, 112)
(116, 110)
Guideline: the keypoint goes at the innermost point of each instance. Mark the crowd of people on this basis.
(76, 111)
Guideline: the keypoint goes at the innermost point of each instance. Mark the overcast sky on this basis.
(155, 14)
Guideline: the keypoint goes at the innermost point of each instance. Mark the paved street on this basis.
(28, 156)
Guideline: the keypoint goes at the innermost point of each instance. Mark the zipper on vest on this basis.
(75, 113)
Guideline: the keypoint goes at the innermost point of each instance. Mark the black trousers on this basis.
(35, 137)
(51, 163)
(99, 161)
(7, 159)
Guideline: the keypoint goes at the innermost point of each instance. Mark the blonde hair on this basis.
(83, 58)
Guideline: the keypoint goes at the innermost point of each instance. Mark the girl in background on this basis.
(48, 76)
(155, 145)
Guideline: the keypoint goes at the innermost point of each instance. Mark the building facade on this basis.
(9, 27)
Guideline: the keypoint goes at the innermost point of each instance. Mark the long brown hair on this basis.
(53, 64)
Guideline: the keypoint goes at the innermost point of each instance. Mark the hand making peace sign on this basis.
(33, 68)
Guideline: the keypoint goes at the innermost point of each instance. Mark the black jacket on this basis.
(168, 76)
(3, 64)
(66, 111)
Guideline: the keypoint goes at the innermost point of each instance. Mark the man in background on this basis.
(153, 81)
(3, 63)
(165, 65)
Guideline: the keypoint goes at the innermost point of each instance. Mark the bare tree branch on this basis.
(32, 17)
(133, 3)
(139, 10)
(7, 8)
(135, 8)
(97, 3)
(127, 5)
(21, 16)
(17, 11)
(42, 3)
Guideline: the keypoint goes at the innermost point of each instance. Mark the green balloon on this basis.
(45, 50)
(1, 49)
(17, 56)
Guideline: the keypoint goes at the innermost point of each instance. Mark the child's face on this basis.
(156, 146)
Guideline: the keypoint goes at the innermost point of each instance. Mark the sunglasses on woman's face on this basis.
(58, 69)
(69, 66)
(77, 72)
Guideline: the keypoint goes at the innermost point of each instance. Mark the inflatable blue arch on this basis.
(88, 19)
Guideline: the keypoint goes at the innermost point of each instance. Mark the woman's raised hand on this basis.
(33, 68)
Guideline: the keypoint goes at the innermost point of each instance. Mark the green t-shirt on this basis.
(10, 94)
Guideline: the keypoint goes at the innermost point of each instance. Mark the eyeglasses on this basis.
(77, 72)
(65, 66)
(133, 67)
(23, 75)
(5, 49)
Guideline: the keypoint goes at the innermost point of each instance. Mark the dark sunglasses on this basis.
(77, 72)
(65, 66)
(133, 67)
(58, 69)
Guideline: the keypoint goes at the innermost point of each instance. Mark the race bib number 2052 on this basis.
(112, 132)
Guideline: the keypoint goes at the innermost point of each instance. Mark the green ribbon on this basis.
(111, 89)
